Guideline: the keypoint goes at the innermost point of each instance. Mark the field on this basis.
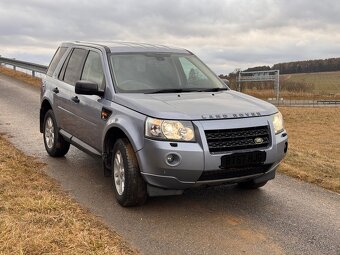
(312, 86)
(314, 145)
(36, 217)
(321, 83)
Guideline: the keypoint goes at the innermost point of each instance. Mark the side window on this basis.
(63, 68)
(192, 74)
(55, 60)
(75, 66)
(93, 70)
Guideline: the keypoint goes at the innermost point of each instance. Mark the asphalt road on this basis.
(285, 217)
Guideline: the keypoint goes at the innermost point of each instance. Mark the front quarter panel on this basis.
(130, 122)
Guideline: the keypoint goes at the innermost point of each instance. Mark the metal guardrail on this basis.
(24, 65)
(328, 101)
(303, 102)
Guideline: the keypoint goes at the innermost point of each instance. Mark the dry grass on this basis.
(36, 217)
(35, 81)
(323, 85)
(323, 82)
(314, 145)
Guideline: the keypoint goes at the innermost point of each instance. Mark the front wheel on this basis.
(251, 185)
(55, 144)
(128, 184)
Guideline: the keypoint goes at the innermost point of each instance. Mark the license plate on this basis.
(243, 159)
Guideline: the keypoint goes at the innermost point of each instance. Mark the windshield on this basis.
(162, 72)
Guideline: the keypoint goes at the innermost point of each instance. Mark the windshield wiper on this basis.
(212, 89)
(185, 90)
(168, 91)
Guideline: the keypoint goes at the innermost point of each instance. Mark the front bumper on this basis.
(195, 158)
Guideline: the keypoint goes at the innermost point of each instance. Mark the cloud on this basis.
(225, 34)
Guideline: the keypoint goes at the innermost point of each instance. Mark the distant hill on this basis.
(307, 66)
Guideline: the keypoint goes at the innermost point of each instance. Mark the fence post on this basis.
(33, 73)
(278, 85)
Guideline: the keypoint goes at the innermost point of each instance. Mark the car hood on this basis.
(196, 105)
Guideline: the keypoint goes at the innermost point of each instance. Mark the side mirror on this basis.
(87, 88)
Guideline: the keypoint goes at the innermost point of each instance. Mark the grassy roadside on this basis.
(35, 81)
(36, 217)
(314, 145)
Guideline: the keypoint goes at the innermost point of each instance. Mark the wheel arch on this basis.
(45, 106)
(111, 136)
(116, 131)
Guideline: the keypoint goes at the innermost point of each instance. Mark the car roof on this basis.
(121, 47)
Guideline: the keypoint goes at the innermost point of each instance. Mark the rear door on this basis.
(69, 74)
(50, 82)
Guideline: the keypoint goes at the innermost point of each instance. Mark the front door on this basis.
(88, 110)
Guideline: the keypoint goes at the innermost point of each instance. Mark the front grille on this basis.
(233, 172)
(224, 140)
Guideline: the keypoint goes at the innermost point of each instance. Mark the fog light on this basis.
(172, 159)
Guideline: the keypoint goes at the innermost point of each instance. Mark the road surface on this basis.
(287, 216)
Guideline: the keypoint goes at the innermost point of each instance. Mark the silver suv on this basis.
(159, 118)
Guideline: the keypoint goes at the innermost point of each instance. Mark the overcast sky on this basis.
(226, 34)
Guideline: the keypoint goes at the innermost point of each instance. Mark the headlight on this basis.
(169, 130)
(278, 123)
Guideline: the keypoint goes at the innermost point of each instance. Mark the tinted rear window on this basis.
(55, 60)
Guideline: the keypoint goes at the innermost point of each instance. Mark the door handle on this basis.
(75, 99)
(56, 90)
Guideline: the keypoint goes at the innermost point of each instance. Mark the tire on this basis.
(55, 144)
(128, 184)
(251, 185)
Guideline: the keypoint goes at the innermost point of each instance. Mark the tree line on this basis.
(307, 66)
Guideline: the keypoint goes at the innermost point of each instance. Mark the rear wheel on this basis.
(128, 184)
(55, 144)
(251, 185)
